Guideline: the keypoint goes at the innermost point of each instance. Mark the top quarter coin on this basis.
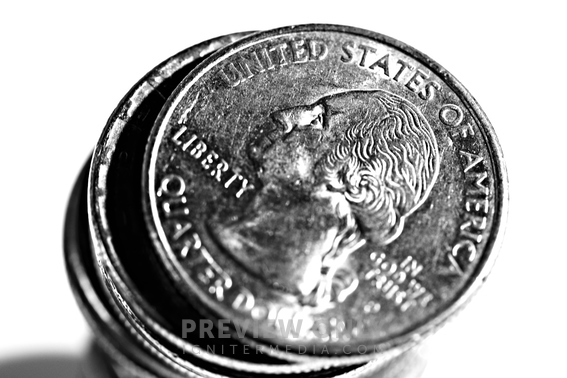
(328, 181)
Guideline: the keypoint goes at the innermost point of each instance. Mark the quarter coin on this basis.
(330, 191)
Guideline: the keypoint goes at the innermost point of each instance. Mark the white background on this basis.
(65, 66)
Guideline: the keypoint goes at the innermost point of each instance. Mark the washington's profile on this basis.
(337, 174)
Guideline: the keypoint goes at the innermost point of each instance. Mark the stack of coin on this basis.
(310, 201)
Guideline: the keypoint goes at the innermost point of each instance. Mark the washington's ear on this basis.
(395, 231)
(379, 231)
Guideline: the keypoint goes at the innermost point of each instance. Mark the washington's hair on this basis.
(385, 165)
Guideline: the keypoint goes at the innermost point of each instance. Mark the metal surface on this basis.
(116, 352)
(143, 301)
(330, 178)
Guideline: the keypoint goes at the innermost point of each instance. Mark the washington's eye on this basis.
(317, 122)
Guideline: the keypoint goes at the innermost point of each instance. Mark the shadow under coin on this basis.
(41, 366)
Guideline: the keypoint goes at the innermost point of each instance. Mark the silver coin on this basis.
(111, 195)
(328, 179)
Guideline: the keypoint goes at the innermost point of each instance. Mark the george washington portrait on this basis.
(336, 175)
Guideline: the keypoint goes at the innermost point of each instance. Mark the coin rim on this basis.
(99, 312)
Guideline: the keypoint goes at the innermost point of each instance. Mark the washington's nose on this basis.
(283, 119)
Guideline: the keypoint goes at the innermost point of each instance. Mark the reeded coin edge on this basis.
(110, 336)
